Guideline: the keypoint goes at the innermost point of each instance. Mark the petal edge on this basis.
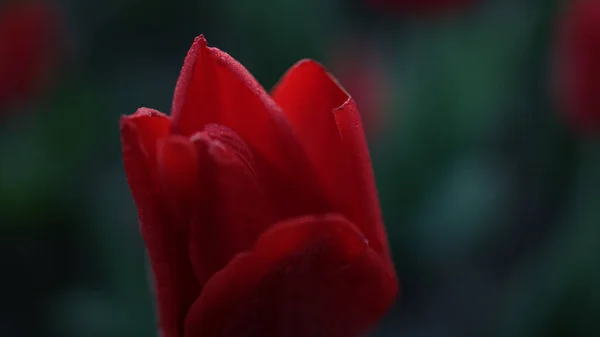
(308, 276)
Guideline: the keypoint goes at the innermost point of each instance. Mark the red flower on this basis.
(420, 6)
(578, 64)
(27, 48)
(259, 212)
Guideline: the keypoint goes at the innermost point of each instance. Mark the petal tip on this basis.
(140, 113)
(317, 67)
(131, 122)
(309, 64)
(143, 111)
(201, 41)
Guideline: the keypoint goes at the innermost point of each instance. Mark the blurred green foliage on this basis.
(490, 201)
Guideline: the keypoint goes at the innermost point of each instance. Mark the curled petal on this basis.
(351, 132)
(325, 118)
(308, 96)
(308, 276)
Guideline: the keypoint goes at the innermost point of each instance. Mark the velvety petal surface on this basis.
(213, 88)
(179, 179)
(326, 121)
(308, 97)
(223, 189)
(233, 209)
(351, 132)
(309, 276)
(175, 283)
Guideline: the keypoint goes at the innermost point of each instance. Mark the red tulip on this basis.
(259, 211)
(578, 64)
(27, 49)
(420, 6)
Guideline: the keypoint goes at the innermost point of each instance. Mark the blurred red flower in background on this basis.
(28, 49)
(259, 212)
(419, 6)
(359, 69)
(578, 64)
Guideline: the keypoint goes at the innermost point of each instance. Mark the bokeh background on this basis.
(491, 196)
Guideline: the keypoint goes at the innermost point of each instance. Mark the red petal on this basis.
(174, 279)
(196, 101)
(139, 135)
(233, 210)
(308, 276)
(353, 138)
(215, 88)
(326, 121)
(308, 96)
(179, 173)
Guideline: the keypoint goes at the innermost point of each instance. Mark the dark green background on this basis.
(492, 203)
